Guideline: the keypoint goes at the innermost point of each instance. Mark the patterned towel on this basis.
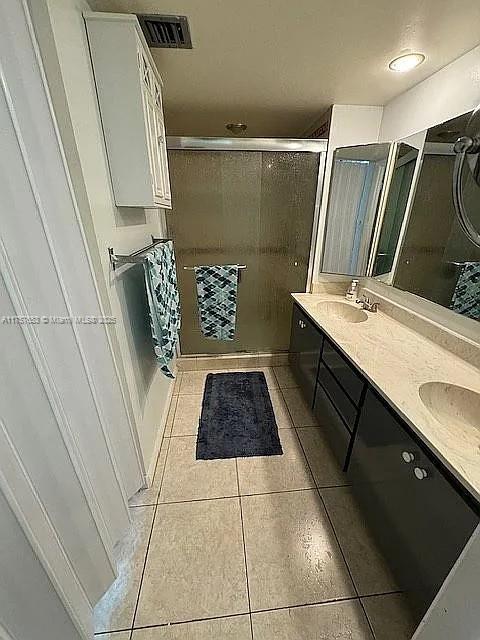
(217, 300)
(466, 297)
(164, 303)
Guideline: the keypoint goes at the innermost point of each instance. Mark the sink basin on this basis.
(456, 407)
(343, 310)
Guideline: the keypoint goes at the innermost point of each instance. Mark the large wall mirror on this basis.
(437, 259)
(392, 215)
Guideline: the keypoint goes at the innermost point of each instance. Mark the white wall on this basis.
(453, 90)
(60, 395)
(454, 613)
(35, 611)
(349, 125)
(124, 229)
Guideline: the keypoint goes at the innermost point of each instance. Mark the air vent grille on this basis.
(171, 32)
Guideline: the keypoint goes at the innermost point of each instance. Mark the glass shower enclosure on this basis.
(252, 202)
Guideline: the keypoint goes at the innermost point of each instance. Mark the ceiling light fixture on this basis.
(406, 62)
(236, 127)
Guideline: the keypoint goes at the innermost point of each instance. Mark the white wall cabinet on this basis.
(129, 90)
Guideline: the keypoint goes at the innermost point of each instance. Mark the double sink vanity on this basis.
(402, 415)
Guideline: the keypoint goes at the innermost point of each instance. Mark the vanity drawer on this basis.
(343, 371)
(332, 425)
(338, 397)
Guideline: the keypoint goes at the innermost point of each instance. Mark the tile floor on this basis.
(251, 548)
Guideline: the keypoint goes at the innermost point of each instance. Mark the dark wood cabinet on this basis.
(305, 347)
(420, 519)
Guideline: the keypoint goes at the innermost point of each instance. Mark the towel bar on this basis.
(240, 266)
(136, 256)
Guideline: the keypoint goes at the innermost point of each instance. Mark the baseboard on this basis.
(159, 438)
(232, 361)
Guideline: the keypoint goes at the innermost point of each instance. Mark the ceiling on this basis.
(278, 64)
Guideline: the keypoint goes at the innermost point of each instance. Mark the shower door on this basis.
(254, 208)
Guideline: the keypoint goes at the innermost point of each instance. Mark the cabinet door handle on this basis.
(408, 456)
(301, 324)
(420, 473)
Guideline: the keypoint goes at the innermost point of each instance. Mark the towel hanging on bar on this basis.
(163, 302)
(217, 300)
(466, 297)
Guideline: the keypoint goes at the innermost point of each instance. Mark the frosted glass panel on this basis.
(243, 207)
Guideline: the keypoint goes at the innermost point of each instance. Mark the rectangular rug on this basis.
(237, 418)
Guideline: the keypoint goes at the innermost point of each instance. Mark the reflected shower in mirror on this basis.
(396, 203)
(437, 260)
(355, 187)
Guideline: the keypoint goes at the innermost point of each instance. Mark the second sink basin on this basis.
(456, 407)
(343, 310)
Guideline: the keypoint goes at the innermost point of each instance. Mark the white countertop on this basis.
(397, 361)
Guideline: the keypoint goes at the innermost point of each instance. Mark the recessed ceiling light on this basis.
(236, 127)
(406, 62)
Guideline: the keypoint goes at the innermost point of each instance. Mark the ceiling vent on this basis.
(169, 32)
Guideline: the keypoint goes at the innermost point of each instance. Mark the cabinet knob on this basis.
(301, 324)
(408, 456)
(420, 473)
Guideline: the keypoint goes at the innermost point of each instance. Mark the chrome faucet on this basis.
(367, 305)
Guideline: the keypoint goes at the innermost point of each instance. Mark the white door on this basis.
(67, 452)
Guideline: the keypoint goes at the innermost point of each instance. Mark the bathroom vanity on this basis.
(415, 473)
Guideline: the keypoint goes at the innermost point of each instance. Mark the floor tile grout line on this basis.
(143, 572)
(174, 398)
(243, 495)
(255, 611)
(157, 499)
(244, 550)
(149, 541)
(194, 435)
(178, 623)
(329, 518)
(381, 593)
(312, 604)
(339, 545)
(296, 434)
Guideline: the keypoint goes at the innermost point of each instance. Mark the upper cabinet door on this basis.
(129, 90)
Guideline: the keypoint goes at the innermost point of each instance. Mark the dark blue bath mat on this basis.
(237, 418)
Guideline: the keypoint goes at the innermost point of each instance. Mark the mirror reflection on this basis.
(395, 207)
(422, 236)
(437, 260)
(357, 178)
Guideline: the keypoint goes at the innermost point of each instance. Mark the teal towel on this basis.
(217, 300)
(466, 297)
(163, 302)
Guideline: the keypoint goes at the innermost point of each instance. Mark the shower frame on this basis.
(267, 144)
